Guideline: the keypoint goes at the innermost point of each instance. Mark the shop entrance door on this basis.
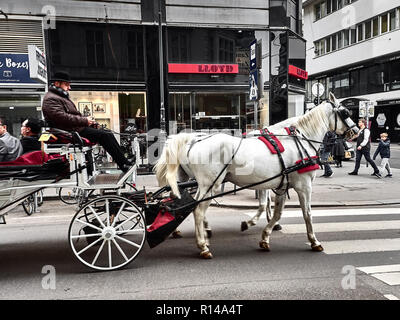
(179, 112)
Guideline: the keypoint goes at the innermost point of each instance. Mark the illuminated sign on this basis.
(203, 68)
(298, 73)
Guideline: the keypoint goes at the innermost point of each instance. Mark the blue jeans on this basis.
(324, 159)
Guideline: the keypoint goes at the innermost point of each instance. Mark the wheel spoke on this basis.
(109, 254)
(89, 225)
(120, 250)
(129, 219)
(89, 246)
(86, 235)
(130, 231)
(98, 252)
(96, 215)
(128, 242)
(108, 212)
(119, 212)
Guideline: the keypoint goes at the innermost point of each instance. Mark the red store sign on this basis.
(297, 72)
(203, 68)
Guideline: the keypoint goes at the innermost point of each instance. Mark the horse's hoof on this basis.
(277, 227)
(264, 245)
(244, 226)
(209, 233)
(177, 235)
(317, 248)
(206, 255)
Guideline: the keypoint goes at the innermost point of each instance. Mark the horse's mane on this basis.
(315, 122)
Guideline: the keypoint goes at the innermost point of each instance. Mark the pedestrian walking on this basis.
(338, 151)
(364, 149)
(384, 151)
(326, 149)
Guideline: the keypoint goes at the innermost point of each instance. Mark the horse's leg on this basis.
(279, 204)
(207, 228)
(305, 203)
(201, 235)
(262, 200)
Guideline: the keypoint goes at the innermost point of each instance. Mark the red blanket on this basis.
(31, 158)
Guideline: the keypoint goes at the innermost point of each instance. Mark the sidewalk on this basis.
(338, 190)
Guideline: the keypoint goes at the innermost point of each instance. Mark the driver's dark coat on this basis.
(60, 112)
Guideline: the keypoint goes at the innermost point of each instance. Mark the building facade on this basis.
(111, 50)
(353, 51)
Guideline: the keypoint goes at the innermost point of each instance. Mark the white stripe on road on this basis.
(361, 246)
(391, 297)
(343, 226)
(392, 279)
(380, 269)
(336, 212)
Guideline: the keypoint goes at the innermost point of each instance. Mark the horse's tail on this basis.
(167, 166)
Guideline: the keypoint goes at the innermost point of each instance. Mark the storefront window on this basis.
(16, 109)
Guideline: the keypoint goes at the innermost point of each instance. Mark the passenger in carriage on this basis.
(10, 147)
(30, 131)
(60, 112)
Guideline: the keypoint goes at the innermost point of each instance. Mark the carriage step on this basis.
(105, 179)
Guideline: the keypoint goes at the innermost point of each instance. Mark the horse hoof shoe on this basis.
(206, 255)
(277, 227)
(317, 248)
(244, 226)
(177, 235)
(264, 245)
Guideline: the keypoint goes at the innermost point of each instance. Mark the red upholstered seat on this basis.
(31, 159)
(64, 137)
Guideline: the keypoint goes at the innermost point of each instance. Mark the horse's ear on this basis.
(332, 98)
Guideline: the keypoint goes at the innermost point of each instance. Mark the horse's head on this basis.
(340, 120)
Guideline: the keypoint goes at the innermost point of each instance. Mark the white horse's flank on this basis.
(252, 162)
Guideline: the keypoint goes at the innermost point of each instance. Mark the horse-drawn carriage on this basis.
(109, 231)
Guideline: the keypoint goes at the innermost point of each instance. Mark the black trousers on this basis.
(107, 141)
(366, 154)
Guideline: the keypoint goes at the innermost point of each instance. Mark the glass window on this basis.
(395, 75)
(328, 44)
(328, 6)
(334, 42)
(318, 11)
(322, 47)
(95, 48)
(354, 82)
(339, 4)
(346, 37)
(353, 35)
(368, 30)
(375, 27)
(375, 78)
(340, 40)
(323, 9)
(384, 23)
(392, 23)
(334, 5)
(360, 32)
(316, 45)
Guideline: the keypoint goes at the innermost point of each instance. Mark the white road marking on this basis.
(391, 297)
(343, 226)
(361, 246)
(380, 269)
(390, 278)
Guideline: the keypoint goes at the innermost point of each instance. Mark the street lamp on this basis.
(163, 131)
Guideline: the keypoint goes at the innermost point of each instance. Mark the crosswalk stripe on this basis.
(392, 279)
(380, 269)
(343, 226)
(336, 212)
(391, 297)
(361, 246)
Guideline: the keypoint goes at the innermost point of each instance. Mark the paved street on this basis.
(366, 240)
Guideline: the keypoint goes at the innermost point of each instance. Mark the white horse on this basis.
(247, 161)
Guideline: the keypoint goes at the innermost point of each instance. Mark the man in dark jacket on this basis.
(30, 131)
(10, 147)
(364, 149)
(60, 112)
(327, 144)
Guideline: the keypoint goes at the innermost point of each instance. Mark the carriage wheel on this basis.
(29, 205)
(107, 233)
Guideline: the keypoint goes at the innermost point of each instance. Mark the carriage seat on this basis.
(65, 138)
(35, 165)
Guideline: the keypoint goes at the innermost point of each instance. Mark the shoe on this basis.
(353, 173)
(323, 176)
(329, 175)
(377, 174)
(125, 168)
(389, 175)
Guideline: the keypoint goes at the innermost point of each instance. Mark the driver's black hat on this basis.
(61, 76)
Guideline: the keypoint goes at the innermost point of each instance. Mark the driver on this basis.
(60, 112)
(10, 147)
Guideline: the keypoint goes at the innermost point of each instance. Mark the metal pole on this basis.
(255, 115)
(161, 56)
